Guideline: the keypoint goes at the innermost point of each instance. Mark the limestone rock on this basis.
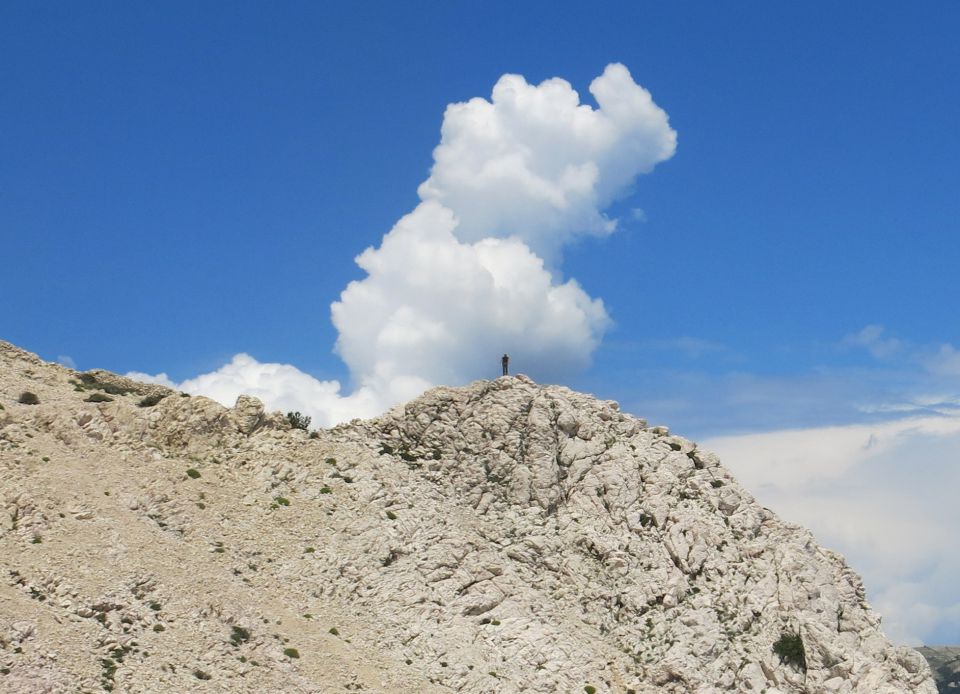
(499, 537)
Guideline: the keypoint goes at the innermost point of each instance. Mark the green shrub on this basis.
(291, 652)
(28, 398)
(790, 649)
(193, 473)
(282, 501)
(151, 400)
(158, 628)
(239, 635)
(716, 484)
(298, 421)
(385, 449)
(391, 515)
(309, 550)
(334, 631)
(331, 461)
(90, 382)
(98, 397)
(326, 490)
(590, 689)
(201, 675)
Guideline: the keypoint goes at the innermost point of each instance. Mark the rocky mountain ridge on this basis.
(500, 537)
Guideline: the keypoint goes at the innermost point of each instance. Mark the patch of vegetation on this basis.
(28, 398)
(45, 459)
(298, 421)
(201, 675)
(716, 484)
(193, 473)
(326, 490)
(158, 628)
(239, 635)
(408, 456)
(309, 550)
(790, 649)
(151, 400)
(155, 606)
(314, 434)
(98, 397)
(108, 669)
(590, 689)
(291, 652)
(281, 501)
(385, 449)
(90, 382)
(36, 540)
(334, 631)
(391, 515)
(331, 461)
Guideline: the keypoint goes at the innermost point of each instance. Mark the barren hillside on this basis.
(501, 537)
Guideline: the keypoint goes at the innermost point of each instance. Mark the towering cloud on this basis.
(469, 273)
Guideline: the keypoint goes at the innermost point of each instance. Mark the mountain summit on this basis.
(499, 537)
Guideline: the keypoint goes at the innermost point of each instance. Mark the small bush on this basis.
(391, 515)
(716, 484)
(309, 550)
(151, 400)
(790, 649)
(158, 628)
(291, 652)
(331, 461)
(193, 473)
(90, 382)
(385, 449)
(98, 397)
(590, 689)
(298, 421)
(326, 490)
(201, 675)
(314, 434)
(334, 631)
(282, 501)
(239, 635)
(28, 398)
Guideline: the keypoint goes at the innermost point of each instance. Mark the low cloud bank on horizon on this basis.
(471, 272)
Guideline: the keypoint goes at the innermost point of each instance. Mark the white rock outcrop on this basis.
(500, 537)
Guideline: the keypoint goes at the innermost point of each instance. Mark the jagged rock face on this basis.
(499, 537)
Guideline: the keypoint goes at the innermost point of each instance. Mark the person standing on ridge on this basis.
(505, 363)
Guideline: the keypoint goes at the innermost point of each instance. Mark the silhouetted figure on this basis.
(505, 363)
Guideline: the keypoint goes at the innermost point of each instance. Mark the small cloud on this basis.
(67, 361)
(160, 379)
(945, 362)
(871, 338)
(638, 214)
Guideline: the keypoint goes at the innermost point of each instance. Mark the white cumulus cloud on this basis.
(535, 163)
(470, 273)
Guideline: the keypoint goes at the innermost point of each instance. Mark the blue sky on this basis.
(183, 182)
